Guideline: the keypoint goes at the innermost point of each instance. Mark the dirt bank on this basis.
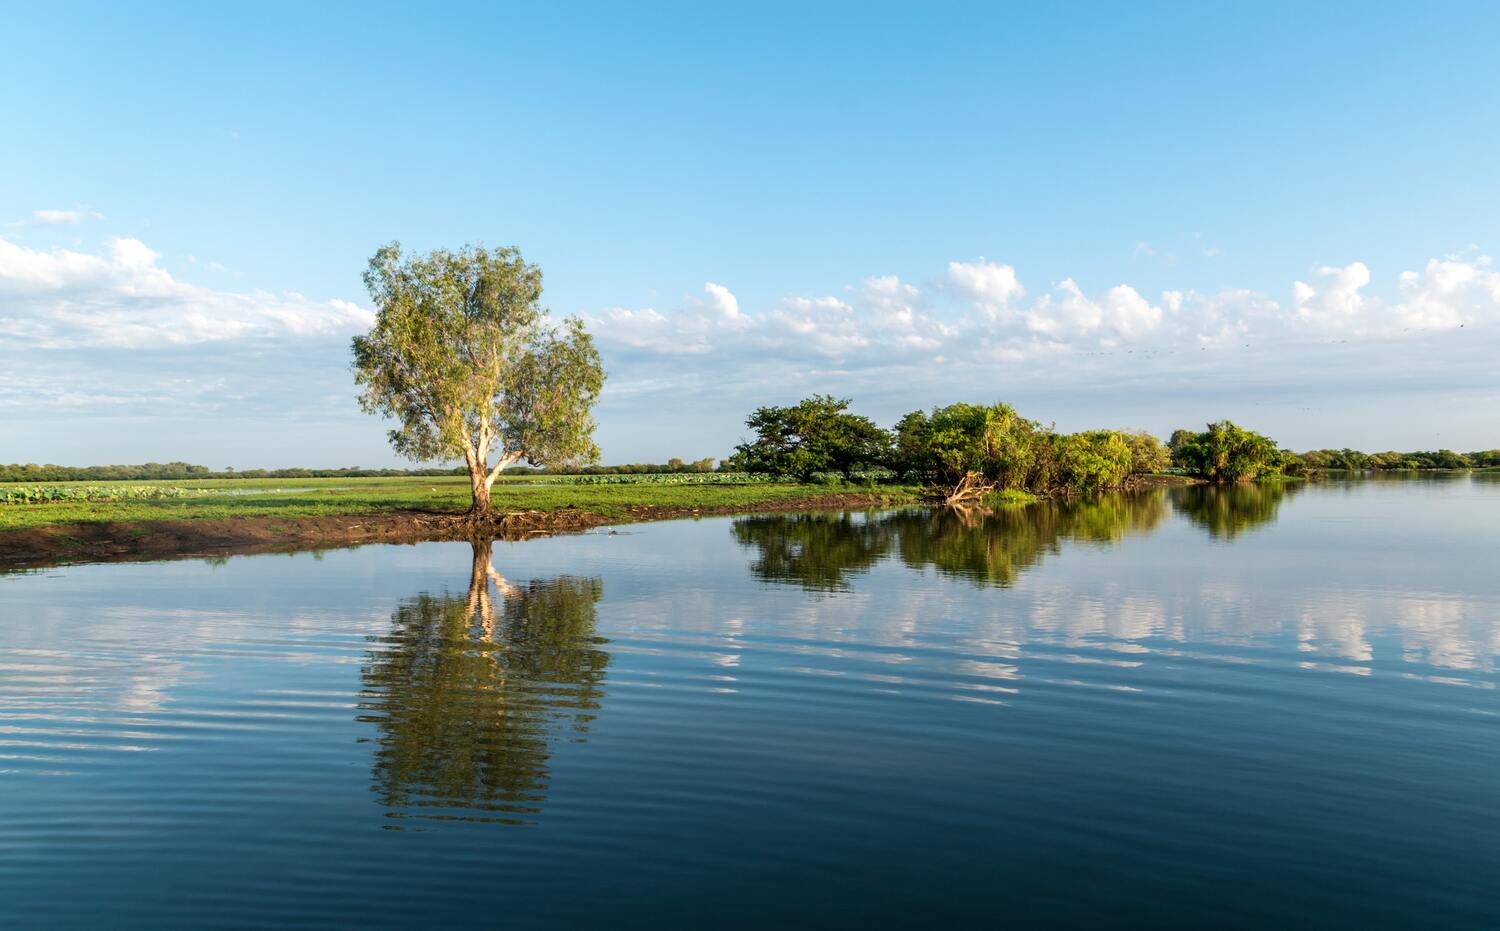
(188, 539)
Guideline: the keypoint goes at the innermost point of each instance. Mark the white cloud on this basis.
(976, 327)
(52, 217)
(693, 328)
(1067, 313)
(1336, 302)
(825, 325)
(991, 285)
(123, 298)
(1446, 294)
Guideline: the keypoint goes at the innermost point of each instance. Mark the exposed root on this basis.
(969, 491)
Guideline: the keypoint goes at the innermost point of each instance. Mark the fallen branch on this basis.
(969, 491)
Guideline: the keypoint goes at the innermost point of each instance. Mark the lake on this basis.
(1191, 707)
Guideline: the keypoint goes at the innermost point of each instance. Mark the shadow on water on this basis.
(822, 552)
(470, 692)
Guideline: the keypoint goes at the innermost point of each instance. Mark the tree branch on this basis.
(505, 462)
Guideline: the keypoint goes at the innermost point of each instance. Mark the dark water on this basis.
(1205, 708)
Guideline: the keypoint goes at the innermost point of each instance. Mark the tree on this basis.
(463, 357)
(1147, 454)
(992, 440)
(1230, 453)
(1177, 442)
(816, 435)
(1093, 460)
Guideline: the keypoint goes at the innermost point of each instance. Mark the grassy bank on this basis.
(230, 499)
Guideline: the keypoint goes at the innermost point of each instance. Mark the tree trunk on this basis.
(481, 509)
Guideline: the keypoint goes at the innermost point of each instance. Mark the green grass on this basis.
(323, 497)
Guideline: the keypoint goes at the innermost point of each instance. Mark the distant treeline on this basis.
(168, 471)
(1354, 460)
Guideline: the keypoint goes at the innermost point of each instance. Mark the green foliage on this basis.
(1095, 460)
(671, 478)
(1017, 454)
(229, 499)
(1179, 441)
(1352, 460)
(816, 435)
(47, 494)
(1148, 455)
(462, 357)
(1226, 452)
(993, 440)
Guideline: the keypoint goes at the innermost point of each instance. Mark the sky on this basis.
(1133, 215)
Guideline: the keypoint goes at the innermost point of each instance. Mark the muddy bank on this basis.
(107, 541)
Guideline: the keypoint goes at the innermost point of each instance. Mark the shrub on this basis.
(1226, 452)
(1094, 460)
(1147, 454)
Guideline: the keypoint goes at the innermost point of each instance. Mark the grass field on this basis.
(220, 499)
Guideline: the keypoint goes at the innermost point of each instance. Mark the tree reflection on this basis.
(469, 691)
(1226, 511)
(996, 547)
(817, 551)
(820, 551)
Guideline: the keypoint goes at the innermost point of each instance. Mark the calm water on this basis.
(1197, 709)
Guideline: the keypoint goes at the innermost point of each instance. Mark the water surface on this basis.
(1199, 708)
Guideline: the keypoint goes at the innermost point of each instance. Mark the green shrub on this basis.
(1226, 452)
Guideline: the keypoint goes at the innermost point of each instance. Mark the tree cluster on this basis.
(1227, 452)
(989, 446)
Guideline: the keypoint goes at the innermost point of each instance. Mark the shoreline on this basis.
(159, 539)
(205, 538)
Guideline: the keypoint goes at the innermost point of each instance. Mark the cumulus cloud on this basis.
(1068, 313)
(974, 323)
(990, 285)
(1446, 294)
(122, 298)
(691, 329)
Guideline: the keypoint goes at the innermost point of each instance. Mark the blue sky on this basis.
(1099, 214)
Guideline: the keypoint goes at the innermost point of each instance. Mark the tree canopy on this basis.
(816, 435)
(463, 357)
(1226, 452)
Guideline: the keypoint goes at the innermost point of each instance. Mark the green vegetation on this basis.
(1226, 452)
(1356, 461)
(817, 435)
(462, 357)
(952, 442)
(45, 494)
(224, 499)
(971, 451)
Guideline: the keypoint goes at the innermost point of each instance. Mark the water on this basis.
(1202, 708)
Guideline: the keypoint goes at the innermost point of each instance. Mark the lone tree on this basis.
(817, 435)
(463, 356)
